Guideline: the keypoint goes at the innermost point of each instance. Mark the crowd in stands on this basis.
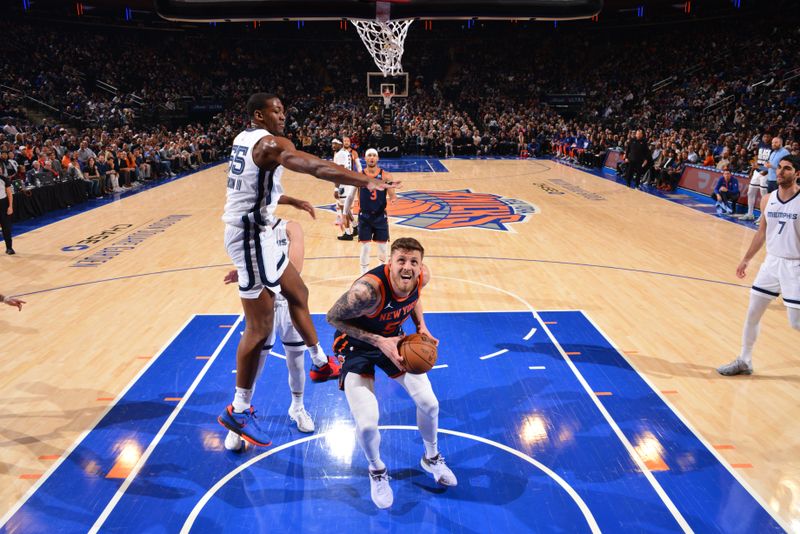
(702, 94)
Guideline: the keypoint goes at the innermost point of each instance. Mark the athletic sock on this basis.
(318, 356)
(241, 400)
(431, 449)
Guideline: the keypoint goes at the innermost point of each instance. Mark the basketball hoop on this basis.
(387, 95)
(384, 38)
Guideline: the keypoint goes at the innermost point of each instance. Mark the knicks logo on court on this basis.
(447, 210)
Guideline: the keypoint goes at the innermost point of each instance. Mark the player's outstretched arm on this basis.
(758, 240)
(363, 298)
(273, 149)
(302, 205)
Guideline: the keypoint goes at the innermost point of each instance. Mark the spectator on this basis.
(637, 156)
(726, 193)
(6, 210)
(91, 172)
(778, 153)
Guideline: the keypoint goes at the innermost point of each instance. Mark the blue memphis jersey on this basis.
(372, 201)
(390, 315)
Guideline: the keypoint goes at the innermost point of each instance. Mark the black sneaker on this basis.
(345, 237)
(10, 251)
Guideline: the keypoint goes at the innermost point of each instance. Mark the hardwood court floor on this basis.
(658, 278)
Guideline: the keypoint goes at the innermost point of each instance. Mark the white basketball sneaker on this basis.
(302, 418)
(438, 468)
(736, 367)
(234, 442)
(379, 488)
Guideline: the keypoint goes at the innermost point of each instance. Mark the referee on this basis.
(6, 209)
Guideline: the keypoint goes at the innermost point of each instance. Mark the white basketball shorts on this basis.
(258, 259)
(759, 180)
(779, 276)
(284, 328)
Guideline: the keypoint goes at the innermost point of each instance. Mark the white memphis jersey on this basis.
(347, 159)
(783, 226)
(282, 240)
(763, 153)
(253, 192)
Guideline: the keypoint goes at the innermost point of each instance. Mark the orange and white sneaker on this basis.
(329, 371)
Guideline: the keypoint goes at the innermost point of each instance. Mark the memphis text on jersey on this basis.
(781, 215)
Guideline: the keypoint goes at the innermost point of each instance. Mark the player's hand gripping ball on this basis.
(418, 352)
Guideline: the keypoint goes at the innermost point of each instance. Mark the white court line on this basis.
(153, 444)
(696, 434)
(536, 367)
(587, 514)
(83, 435)
(492, 355)
(621, 436)
(278, 355)
(627, 444)
(444, 365)
(530, 334)
(430, 166)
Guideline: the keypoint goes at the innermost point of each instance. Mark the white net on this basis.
(384, 40)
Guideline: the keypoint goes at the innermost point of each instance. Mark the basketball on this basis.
(419, 353)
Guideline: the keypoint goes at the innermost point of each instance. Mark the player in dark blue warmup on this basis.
(373, 223)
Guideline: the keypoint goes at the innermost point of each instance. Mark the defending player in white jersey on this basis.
(289, 237)
(780, 272)
(758, 181)
(258, 157)
(347, 157)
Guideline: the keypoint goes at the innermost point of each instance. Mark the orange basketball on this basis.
(419, 353)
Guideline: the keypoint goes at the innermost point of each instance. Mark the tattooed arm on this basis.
(363, 298)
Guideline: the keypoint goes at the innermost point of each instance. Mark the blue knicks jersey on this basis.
(387, 320)
(372, 201)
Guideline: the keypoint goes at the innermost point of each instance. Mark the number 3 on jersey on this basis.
(237, 159)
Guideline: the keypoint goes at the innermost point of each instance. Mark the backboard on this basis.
(249, 10)
(377, 82)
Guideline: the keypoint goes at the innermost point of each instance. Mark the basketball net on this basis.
(387, 98)
(384, 40)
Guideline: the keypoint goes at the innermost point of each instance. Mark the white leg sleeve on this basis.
(794, 317)
(382, 252)
(295, 364)
(420, 390)
(752, 323)
(364, 257)
(360, 395)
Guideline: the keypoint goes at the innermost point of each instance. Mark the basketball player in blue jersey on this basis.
(258, 157)
(368, 319)
(373, 223)
(780, 272)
